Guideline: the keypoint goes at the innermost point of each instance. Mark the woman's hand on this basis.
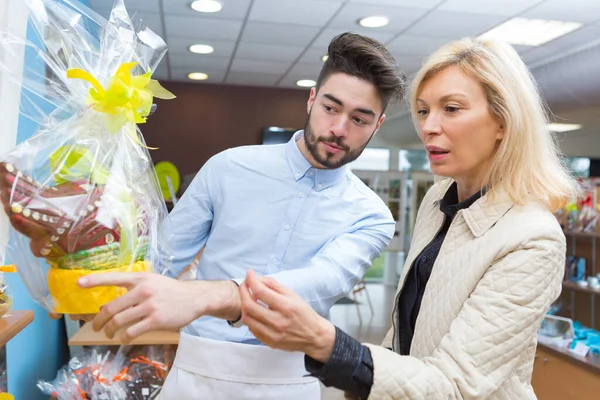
(281, 319)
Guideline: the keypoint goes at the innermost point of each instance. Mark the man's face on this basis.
(343, 116)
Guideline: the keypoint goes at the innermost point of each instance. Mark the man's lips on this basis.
(332, 147)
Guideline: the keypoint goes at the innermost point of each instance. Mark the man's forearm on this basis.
(219, 299)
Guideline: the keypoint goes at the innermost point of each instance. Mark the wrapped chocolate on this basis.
(82, 195)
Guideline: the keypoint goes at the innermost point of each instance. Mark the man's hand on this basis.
(156, 302)
(283, 320)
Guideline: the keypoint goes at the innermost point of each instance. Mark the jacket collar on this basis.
(484, 212)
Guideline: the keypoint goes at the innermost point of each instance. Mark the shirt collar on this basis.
(300, 166)
(449, 204)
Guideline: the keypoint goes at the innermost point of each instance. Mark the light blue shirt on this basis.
(265, 207)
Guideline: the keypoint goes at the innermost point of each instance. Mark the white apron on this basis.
(213, 370)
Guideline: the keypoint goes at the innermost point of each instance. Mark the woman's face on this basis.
(459, 132)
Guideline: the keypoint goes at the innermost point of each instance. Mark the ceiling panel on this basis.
(252, 78)
(313, 55)
(262, 32)
(400, 18)
(161, 73)
(130, 5)
(263, 51)
(180, 45)
(585, 36)
(327, 35)
(489, 7)
(305, 12)
(202, 27)
(416, 45)
(232, 9)
(305, 71)
(444, 24)
(180, 74)
(401, 3)
(198, 62)
(289, 81)
(409, 64)
(271, 67)
(277, 42)
(566, 10)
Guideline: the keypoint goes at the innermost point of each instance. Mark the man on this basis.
(293, 212)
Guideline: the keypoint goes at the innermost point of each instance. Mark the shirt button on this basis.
(287, 227)
(312, 172)
(319, 186)
(275, 261)
(301, 194)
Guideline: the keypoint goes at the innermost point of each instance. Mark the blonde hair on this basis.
(527, 162)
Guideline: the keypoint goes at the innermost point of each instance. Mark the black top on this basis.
(350, 367)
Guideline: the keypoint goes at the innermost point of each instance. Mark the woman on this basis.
(487, 254)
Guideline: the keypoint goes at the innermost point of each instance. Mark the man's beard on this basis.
(311, 140)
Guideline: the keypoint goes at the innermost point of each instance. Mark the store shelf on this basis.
(590, 362)
(87, 337)
(581, 234)
(584, 289)
(14, 322)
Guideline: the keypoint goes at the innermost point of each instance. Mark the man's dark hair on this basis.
(367, 59)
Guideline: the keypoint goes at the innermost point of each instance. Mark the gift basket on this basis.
(82, 194)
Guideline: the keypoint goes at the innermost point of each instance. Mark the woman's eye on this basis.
(452, 109)
(422, 113)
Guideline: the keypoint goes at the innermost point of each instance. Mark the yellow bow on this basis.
(128, 99)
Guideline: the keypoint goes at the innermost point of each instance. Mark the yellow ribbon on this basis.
(126, 101)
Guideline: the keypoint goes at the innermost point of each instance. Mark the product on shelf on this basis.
(147, 370)
(93, 376)
(582, 215)
(82, 194)
(133, 373)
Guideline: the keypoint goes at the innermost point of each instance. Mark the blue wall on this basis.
(40, 350)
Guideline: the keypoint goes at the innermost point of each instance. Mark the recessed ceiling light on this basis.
(197, 76)
(306, 83)
(563, 127)
(325, 57)
(530, 32)
(201, 49)
(373, 22)
(207, 6)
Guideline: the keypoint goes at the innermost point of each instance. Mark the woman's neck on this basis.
(467, 189)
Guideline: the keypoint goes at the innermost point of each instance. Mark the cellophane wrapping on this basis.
(132, 373)
(95, 375)
(82, 194)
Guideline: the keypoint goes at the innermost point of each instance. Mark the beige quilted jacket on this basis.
(498, 270)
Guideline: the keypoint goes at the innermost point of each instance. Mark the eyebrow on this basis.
(340, 103)
(447, 97)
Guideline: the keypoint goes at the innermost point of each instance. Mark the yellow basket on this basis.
(69, 298)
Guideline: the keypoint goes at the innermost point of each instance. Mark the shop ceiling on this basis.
(276, 43)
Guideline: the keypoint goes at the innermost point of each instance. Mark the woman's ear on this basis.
(501, 132)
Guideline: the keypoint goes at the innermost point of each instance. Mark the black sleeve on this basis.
(349, 369)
